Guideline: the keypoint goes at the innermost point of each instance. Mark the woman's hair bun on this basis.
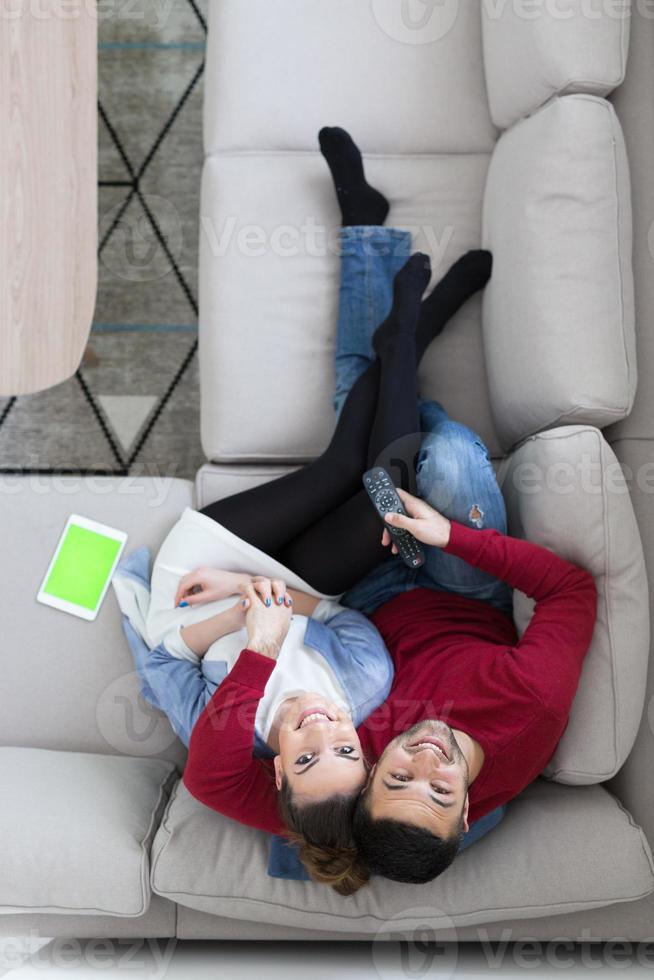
(340, 867)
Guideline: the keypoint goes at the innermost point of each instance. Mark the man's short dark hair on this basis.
(401, 851)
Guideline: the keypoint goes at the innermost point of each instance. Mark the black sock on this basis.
(467, 276)
(408, 286)
(360, 203)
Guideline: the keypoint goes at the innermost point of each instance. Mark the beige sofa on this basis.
(483, 126)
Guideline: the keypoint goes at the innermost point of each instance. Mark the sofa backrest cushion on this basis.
(402, 78)
(534, 49)
(565, 490)
(558, 312)
(207, 862)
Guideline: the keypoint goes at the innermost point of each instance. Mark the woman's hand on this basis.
(200, 636)
(207, 585)
(271, 591)
(424, 523)
(267, 623)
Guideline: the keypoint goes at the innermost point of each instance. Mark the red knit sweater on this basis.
(456, 659)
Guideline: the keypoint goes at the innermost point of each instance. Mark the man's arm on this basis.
(551, 652)
(221, 771)
(536, 571)
(561, 628)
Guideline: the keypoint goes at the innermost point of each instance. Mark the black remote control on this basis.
(386, 500)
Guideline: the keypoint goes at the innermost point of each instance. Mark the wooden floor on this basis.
(48, 193)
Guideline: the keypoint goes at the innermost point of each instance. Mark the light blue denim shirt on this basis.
(349, 642)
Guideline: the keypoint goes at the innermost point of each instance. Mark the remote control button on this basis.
(386, 500)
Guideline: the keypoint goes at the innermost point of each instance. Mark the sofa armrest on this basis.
(633, 784)
(564, 489)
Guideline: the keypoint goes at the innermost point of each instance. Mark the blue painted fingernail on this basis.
(290, 601)
(182, 604)
(268, 602)
(244, 602)
(280, 600)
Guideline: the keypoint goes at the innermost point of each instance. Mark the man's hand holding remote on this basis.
(424, 523)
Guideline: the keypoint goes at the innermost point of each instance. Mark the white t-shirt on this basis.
(197, 540)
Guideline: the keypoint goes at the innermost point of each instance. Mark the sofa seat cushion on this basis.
(535, 51)
(565, 490)
(409, 81)
(68, 684)
(76, 831)
(558, 312)
(548, 855)
(269, 294)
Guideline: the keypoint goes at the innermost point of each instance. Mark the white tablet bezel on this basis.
(108, 532)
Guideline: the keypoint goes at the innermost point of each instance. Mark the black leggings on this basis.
(318, 521)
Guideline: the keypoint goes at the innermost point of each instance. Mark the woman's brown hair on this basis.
(322, 832)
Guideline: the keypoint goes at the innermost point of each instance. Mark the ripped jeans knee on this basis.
(476, 516)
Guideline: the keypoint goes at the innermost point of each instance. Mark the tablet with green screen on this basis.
(81, 568)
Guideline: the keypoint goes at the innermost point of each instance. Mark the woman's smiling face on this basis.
(319, 750)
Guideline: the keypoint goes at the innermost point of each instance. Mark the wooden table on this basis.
(48, 190)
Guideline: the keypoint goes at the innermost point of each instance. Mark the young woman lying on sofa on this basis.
(306, 539)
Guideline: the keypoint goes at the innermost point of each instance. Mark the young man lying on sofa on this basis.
(474, 714)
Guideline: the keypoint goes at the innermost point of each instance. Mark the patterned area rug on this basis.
(133, 406)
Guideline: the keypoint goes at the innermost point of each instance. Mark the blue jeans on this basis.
(454, 472)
